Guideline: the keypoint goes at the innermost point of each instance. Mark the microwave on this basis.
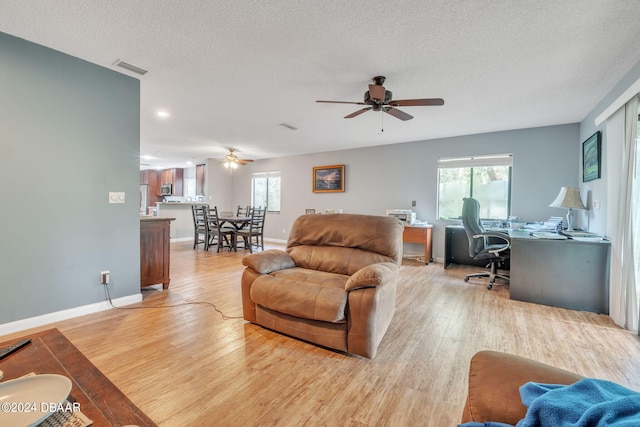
(165, 190)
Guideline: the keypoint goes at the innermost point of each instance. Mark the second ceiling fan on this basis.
(232, 161)
(379, 99)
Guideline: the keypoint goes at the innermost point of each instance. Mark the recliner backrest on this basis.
(344, 243)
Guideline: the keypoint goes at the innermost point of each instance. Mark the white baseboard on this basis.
(275, 240)
(34, 322)
(181, 239)
(190, 239)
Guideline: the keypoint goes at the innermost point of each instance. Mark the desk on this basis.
(561, 273)
(100, 400)
(420, 234)
(456, 248)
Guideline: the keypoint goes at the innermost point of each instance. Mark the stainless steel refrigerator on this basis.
(144, 199)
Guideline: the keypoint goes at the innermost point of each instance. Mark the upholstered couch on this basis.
(334, 285)
(494, 385)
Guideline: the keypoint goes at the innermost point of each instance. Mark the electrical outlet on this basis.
(596, 204)
(105, 277)
(413, 203)
(284, 231)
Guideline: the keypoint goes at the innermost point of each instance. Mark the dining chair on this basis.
(253, 234)
(243, 211)
(217, 234)
(200, 234)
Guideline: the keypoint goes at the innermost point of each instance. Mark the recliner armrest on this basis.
(372, 275)
(268, 261)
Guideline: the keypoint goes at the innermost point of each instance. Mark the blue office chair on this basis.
(479, 247)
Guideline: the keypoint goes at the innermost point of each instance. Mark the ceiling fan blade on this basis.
(244, 161)
(416, 102)
(357, 113)
(343, 102)
(397, 113)
(376, 92)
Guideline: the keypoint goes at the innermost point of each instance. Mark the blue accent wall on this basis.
(69, 134)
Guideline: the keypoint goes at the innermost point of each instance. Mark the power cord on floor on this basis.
(210, 304)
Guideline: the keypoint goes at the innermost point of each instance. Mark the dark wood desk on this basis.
(422, 235)
(456, 248)
(100, 400)
(569, 273)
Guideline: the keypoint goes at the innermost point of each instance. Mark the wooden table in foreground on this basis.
(100, 400)
(422, 235)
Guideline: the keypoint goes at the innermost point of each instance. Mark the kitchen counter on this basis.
(181, 203)
(182, 228)
(150, 218)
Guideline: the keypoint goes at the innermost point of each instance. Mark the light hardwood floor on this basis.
(189, 366)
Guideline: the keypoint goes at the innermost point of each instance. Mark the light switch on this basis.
(116, 196)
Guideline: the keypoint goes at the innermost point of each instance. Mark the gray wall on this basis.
(69, 134)
(391, 176)
(597, 189)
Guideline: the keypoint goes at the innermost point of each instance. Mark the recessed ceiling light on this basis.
(163, 114)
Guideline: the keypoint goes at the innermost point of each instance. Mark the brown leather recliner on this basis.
(335, 285)
(494, 385)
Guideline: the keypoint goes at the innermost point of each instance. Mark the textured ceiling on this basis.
(230, 71)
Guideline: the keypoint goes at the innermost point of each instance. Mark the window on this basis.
(189, 182)
(485, 178)
(265, 190)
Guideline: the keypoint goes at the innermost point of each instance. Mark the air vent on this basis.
(130, 67)
(288, 126)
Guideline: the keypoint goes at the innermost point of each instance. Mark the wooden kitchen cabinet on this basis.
(150, 178)
(154, 188)
(175, 177)
(201, 175)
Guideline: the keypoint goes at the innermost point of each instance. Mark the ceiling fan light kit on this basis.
(231, 161)
(380, 99)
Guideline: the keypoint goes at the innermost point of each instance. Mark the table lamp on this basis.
(568, 198)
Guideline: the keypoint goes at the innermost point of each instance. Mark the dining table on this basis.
(236, 221)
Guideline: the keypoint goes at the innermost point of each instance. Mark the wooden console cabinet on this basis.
(154, 251)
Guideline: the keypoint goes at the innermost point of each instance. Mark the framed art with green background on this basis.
(591, 157)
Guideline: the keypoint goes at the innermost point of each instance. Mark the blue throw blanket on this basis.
(587, 403)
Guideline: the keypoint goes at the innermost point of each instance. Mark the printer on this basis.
(405, 215)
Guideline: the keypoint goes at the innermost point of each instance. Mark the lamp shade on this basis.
(568, 198)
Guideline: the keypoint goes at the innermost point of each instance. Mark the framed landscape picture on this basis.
(328, 179)
(591, 157)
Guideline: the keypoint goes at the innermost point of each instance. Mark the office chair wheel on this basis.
(489, 286)
(466, 279)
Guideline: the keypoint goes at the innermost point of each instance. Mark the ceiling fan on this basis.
(379, 99)
(232, 161)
